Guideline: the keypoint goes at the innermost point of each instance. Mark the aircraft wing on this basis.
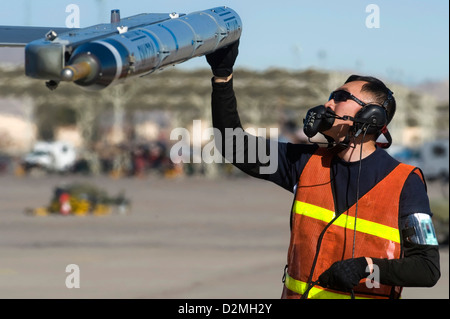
(19, 36)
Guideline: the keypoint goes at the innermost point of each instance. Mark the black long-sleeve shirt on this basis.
(420, 265)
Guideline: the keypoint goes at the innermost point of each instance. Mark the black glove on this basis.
(222, 60)
(344, 275)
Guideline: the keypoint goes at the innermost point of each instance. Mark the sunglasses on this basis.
(342, 96)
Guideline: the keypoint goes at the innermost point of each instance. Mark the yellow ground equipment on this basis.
(82, 199)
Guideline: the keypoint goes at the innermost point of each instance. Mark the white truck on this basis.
(55, 156)
(432, 157)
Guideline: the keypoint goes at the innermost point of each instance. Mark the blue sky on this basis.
(410, 46)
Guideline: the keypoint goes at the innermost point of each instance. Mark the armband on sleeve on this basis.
(418, 229)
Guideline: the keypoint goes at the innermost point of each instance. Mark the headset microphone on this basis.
(318, 119)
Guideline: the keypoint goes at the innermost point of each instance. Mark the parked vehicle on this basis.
(432, 157)
(51, 156)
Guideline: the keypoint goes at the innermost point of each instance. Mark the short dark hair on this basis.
(381, 93)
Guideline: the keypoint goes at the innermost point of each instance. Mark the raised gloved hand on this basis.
(222, 60)
(345, 274)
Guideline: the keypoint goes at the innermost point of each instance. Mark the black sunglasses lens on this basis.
(340, 96)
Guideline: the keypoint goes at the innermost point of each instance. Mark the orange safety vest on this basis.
(377, 230)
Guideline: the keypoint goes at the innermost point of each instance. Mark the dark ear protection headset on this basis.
(372, 118)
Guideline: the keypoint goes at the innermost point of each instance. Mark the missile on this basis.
(99, 56)
(76, 71)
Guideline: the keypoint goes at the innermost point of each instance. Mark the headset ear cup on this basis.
(372, 118)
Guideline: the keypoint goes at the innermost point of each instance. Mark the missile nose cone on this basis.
(67, 74)
(76, 71)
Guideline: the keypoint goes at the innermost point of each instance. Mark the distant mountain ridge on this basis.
(437, 89)
(440, 90)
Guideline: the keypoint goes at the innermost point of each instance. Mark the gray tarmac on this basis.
(184, 238)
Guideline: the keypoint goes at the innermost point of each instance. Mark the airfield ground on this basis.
(185, 238)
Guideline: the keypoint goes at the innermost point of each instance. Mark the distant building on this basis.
(175, 98)
(17, 129)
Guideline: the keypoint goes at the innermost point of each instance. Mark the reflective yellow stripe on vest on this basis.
(315, 292)
(362, 225)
